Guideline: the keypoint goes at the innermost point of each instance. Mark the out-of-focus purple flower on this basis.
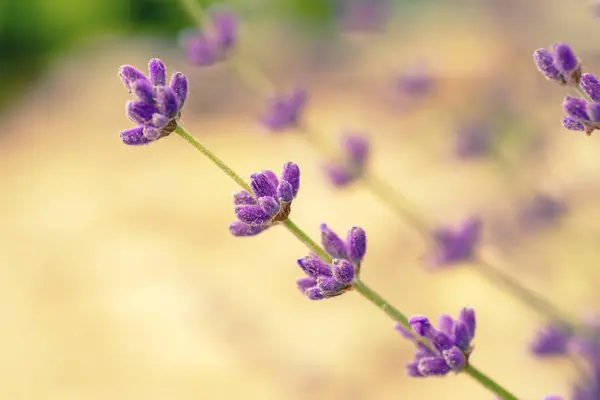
(214, 44)
(270, 202)
(455, 245)
(350, 167)
(541, 210)
(560, 64)
(552, 397)
(363, 15)
(473, 140)
(551, 339)
(322, 280)
(283, 111)
(581, 115)
(157, 106)
(416, 81)
(450, 344)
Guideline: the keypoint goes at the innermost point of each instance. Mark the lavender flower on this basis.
(363, 15)
(551, 339)
(541, 210)
(473, 140)
(454, 245)
(450, 345)
(157, 107)
(323, 280)
(214, 44)
(415, 82)
(352, 249)
(560, 64)
(351, 166)
(581, 114)
(283, 111)
(270, 202)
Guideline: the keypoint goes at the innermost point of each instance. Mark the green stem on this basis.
(358, 285)
(181, 131)
(308, 242)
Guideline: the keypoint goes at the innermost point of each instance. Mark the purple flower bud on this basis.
(157, 72)
(272, 177)
(544, 61)
(314, 267)
(306, 283)
(339, 175)
(252, 215)
(330, 286)
(357, 244)
(343, 271)
(446, 324)
(332, 243)
(240, 229)
(166, 101)
(139, 112)
(461, 335)
(356, 147)
(284, 111)
(129, 74)
(456, 245)
(269, 205)
(144, 90)
(202, 51)
(285, 192)
(412, 369)
(551, 339)
(291, 174)
(455, 358)
(314, 293)
(225, 25)
(467, 317)
(134, 136)
(564, 58)
(590, 84)
(572, 124)
(262, 186)
(243, 197)
(179, 84)
(433, 366)
(576, 108)
(420, 324)
(593, 110)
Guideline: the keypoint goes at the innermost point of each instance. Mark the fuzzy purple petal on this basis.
(134, 136)
(252, 215)
(157, 72)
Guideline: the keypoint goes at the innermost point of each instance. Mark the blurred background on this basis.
(119, 278)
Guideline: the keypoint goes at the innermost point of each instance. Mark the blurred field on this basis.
(119, 279)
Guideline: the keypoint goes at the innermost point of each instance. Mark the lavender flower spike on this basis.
(450, 345)
(213, 45)
(351, 166)
(270, 202)
(157, 106)
(283, 111)
(455, 245)
(323, 281)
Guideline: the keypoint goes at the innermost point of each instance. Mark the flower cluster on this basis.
(351, 166)
(283, 111)
(269, 204)
(324, 280)
(559, 65)
(454, 245)
(450, 344)
(214, 44)
(157, 107)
